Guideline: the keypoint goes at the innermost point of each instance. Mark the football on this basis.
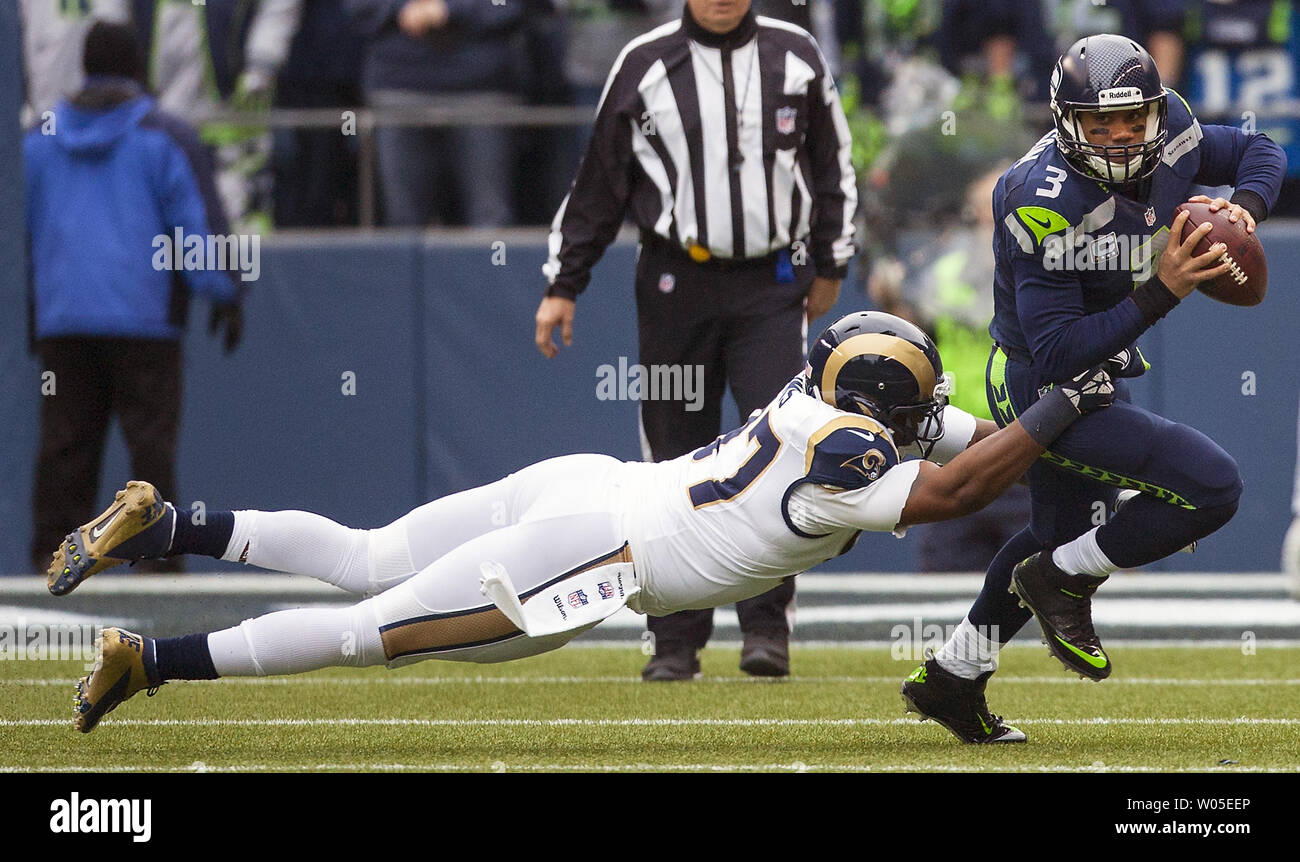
(1247, 278)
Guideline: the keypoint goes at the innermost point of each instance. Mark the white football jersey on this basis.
(789, 489)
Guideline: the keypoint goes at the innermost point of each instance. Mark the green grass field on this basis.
(584, 709)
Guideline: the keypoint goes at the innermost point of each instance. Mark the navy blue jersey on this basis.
(1069, 250)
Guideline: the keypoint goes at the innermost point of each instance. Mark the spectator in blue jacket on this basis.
(123, 223)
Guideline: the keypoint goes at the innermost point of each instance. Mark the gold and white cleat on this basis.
(137, 526)
(124, 665)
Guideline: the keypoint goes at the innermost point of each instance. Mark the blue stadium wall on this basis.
(450, 391)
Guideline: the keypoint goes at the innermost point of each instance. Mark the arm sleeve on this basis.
(1252, 164)
(590, 215)
(876, 507)
(834, 185)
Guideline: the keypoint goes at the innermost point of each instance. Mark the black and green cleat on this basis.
(1062, 604)
(958, 704)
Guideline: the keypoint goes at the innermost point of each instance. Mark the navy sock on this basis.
(1146, 529)
(185, 657)
(208, 539)
(996, 605)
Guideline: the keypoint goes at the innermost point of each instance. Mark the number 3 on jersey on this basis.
(758, 450)
(1055, 179)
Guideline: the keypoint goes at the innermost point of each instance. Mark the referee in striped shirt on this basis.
(722, 135)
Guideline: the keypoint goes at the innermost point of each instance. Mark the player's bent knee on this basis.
(1211, 474)
(1222, 480)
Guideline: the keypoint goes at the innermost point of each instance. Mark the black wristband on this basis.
(1251, 203)
(1048, 417)
(1153, 299)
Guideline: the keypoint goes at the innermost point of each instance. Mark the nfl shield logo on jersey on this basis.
(1150, 216)
(667, 282)
(785, 120)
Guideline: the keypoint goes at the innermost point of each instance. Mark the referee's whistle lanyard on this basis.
(734, 113)
(742, 35)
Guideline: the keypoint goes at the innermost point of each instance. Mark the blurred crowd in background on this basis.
(426, 66)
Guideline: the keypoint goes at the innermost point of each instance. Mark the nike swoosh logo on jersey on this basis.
(99, 529)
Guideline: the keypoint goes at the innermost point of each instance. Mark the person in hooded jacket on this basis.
(110, 182)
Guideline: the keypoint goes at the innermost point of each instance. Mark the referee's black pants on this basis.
(137, 380)
(746, 328)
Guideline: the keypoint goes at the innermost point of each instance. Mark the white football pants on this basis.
(422, 572)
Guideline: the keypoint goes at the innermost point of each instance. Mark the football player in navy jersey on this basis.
(1087, 260)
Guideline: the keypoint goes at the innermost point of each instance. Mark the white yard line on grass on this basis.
(629, 722)
(729, 680)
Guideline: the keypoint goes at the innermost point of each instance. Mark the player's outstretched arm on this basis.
(983, 428)
(988, 467)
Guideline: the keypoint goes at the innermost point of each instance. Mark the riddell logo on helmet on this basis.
(1117, 97)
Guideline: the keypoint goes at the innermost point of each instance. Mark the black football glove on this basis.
(1129, 362)
(1090, 391)
(228, 316)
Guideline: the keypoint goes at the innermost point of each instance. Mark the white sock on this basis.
(238, 547)
(968, 652)
(298, 640)
(1083, 556)
(308, 544)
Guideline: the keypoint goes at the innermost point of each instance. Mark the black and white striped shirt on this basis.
(727, 146)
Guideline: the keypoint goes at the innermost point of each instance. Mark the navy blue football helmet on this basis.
(881, 366)
(1109, 73)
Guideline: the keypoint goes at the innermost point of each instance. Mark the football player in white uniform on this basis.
(525, 564)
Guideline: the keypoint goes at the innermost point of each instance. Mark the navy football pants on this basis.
(1189, 487)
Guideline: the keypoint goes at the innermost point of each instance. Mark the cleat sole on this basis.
(138, 500)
